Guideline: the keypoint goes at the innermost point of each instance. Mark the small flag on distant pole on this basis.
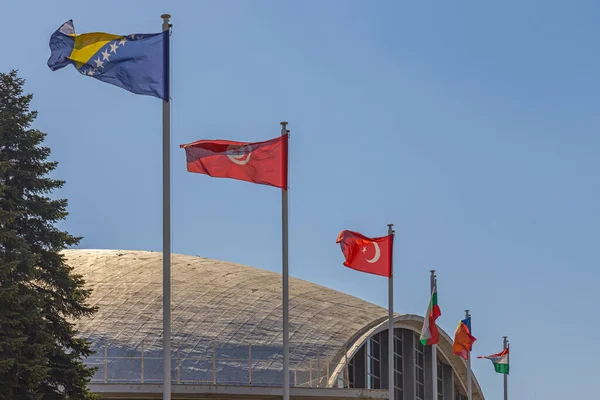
(429, 333)
(463, 340)
(263, 163)
(500, 361)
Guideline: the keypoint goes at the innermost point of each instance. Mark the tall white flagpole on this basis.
(391, 340)
(284, 253)
(166, 147)
(434, 382)
(469, 390)
(506, 375)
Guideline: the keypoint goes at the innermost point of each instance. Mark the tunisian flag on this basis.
(370, 255)
(264, 163)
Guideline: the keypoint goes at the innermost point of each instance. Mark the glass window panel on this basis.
(398, 364)
(419, 369)
(374, 362)
(440, 381)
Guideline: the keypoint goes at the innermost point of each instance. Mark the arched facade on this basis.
(367, 363)
(226, 328)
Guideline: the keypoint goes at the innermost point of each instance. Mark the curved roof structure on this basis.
(214, 303)
(219, 311)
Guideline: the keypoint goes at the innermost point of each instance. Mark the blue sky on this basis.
(472, 127)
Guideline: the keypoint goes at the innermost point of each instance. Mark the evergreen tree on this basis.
(40, 296)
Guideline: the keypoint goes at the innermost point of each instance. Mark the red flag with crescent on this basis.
(370, 255)
(264, 163)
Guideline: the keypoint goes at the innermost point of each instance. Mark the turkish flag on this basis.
(264, 163)
(371, 255)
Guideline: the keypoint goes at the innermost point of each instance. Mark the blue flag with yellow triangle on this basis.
(138, 63)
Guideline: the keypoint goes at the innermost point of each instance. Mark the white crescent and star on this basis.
(377, 253)
(239, 155)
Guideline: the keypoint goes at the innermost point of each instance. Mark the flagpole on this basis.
(166, 170)
(469, 390)
(391, 373)
(433, 349)
(284, 253)
(506, 375)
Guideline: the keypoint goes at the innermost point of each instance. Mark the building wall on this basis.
(413, 374)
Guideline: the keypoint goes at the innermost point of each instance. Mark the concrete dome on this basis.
(214, 303)
(226, 322)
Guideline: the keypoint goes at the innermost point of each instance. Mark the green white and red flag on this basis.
(429, 333)
(500, 361)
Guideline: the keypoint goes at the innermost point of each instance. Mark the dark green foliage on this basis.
(40, 296)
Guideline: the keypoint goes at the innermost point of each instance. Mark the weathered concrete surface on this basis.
(213, 303)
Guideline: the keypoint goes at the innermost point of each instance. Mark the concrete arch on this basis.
(413, 323)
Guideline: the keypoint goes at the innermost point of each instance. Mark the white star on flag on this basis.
(113, 47)
(122, 42)
(105, 55)
(99, 63)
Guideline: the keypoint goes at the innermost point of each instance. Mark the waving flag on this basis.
(500, 361)
(138, 63)
(260, 162)
(429, 333)
(370, 255)
(463, 340)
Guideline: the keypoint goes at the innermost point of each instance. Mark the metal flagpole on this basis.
(506, 375)
(433, 348)
(469, 390)
(284, 254)
(391, 373)
(166, 145)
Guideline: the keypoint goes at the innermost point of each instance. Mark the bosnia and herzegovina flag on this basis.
(138, 63)
(463, 340)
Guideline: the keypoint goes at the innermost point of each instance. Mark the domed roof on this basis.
(215, 304)
(226, 322)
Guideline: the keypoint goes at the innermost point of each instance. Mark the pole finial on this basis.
(166, 16)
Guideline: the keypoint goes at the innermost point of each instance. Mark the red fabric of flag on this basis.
(370, 255)
(263, 163)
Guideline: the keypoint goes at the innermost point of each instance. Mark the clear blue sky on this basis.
(472, 127)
